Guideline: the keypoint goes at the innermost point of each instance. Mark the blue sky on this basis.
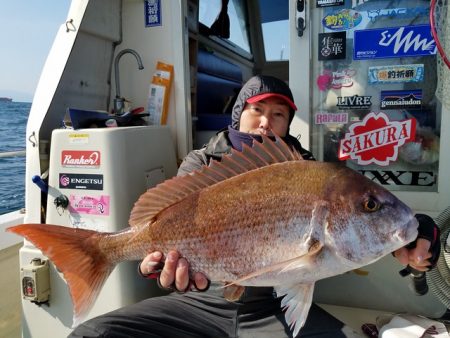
(27, 31)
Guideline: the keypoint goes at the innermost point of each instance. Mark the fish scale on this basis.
(261, 217)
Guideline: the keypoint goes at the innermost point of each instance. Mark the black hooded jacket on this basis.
(220, 145)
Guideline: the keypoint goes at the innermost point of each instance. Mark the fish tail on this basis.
(77, 254)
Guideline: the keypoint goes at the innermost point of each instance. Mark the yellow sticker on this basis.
(79, 138)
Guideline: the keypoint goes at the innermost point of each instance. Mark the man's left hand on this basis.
(423, 253)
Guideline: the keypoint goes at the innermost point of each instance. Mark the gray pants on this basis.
(195, 314)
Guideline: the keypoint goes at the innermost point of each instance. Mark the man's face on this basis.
(262, 117)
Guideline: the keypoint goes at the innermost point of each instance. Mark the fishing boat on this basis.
(129, 87)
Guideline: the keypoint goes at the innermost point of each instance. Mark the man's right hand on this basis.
(174, 273)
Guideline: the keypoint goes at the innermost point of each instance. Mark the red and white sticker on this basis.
(91, 205)
(376, 139)
(80, 158)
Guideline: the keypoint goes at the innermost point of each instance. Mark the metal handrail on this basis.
(12, 153)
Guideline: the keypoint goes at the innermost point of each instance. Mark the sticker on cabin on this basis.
(78, 138)
(326, 3)
(376, 139)
(401, 99)
(396, 74)
(152, 13)
(344, 19)
(80, 158)
(90, 205)
(331, 118)
(354, 102)
(375, 15)
(80, 181)
(332, 46)
(343, 78)
(393, 42)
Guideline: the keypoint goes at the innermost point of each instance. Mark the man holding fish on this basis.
(260, 220)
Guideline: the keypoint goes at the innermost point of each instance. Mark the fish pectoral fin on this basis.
(290, 264)
(232, 292)
(296, 302)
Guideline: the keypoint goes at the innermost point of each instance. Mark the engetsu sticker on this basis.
(393, 42)
(344, 19)
(401, 99)
(326, 3)
(91, 205)
(80, 181)
(332, 46)
(376, 139)
(396, 74)
(354, 102)
(331, 118)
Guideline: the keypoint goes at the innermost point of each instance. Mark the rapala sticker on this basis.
(397, 13)
(326, 3)
(342, 78)
(81, 181)
(405, 99)
(332, 46)
(152, 13)
(354, 102)
(80, 158)
(331, 118)
(376, 139)
(91, 205)
(396, 74)
(344, 19)
(393, 42)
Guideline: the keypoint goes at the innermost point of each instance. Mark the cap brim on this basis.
(261, 97)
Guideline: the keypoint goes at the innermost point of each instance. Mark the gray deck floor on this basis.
(10, 309)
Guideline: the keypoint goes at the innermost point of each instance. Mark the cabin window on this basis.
(209, 11)
(275, 29)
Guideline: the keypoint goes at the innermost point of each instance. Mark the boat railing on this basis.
(12, 153)
(11, 218)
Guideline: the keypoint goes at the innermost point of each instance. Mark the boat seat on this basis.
(218, 83)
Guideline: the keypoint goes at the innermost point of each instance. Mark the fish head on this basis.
(366, 221)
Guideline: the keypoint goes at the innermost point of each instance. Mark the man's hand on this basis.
(417, 257)
(423, 253)
(172, 272)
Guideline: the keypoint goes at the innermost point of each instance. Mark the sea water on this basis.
(13, 121)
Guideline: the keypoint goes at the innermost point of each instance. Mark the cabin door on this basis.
(373, 99)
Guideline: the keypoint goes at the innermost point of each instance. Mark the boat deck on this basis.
(10, 310)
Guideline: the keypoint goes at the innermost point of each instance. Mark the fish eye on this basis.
(371, 205)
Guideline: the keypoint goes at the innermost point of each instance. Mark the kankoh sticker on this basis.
(376, 139)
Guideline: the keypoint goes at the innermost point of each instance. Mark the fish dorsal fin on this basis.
(171, 191)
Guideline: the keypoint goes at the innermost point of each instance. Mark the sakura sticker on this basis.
(91, 205)
(376, 139)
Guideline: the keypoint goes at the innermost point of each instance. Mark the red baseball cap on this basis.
(264, 96)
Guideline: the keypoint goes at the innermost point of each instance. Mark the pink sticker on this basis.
(342, 78)
(91, 205)
(376, 139)
(331, 118)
